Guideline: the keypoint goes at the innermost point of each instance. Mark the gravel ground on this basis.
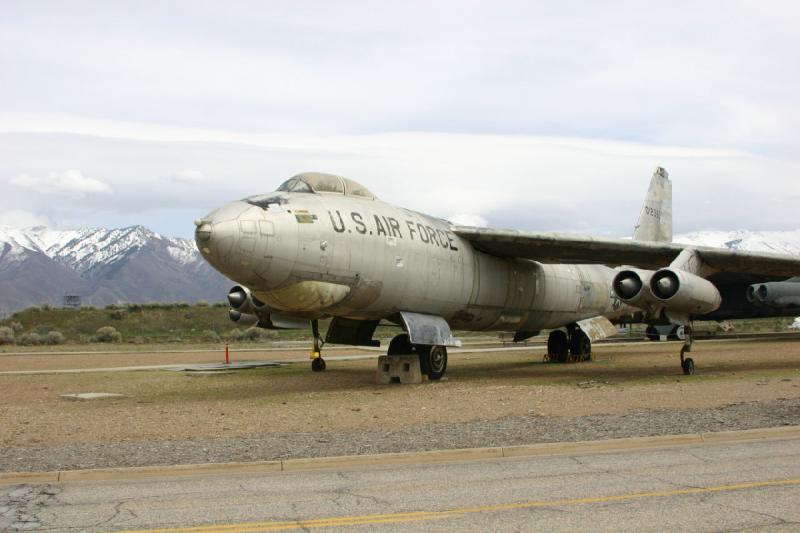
(507, 431)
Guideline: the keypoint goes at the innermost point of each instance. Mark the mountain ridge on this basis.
(132, 264)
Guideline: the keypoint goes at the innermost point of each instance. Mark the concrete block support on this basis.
(398, 369)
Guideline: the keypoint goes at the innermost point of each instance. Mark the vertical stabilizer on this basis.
(655, 219)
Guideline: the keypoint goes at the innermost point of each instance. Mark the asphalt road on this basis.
(698, 487)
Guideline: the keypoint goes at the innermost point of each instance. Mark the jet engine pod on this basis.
(241, 299)
(631, 286)
(242, 319)
(684, 292)
(756, 294)
(775, 294)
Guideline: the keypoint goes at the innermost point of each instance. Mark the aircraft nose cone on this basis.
(202, 232)
(217, 232)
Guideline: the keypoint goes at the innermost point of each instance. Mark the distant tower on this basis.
(72, 301)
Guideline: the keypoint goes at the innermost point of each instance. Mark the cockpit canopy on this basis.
(317, 182)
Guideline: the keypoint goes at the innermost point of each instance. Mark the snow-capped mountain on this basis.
(42, 265)
(779, 242)
(86, 248)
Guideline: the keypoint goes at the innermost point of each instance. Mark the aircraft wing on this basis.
(581, 249)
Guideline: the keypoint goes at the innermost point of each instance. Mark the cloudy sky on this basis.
(532, 115)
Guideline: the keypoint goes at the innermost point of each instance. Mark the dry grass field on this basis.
(166, 405)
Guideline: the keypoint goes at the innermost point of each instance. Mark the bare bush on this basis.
(117, 314)
(211, 336)
(106, 334)
(53, 338)
(6, 335)
(251, 334)
(30, 339)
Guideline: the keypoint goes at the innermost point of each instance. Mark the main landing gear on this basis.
(687, 363)
(432, 359)
(568, 346)
(317, 362)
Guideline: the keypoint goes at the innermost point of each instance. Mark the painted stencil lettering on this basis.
(340, 227)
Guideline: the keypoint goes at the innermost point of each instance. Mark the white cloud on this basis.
(518, 67)
(66, 183)
(188, 176)
(468, 219)
(20, 218)
(511, 181)
(514, 112)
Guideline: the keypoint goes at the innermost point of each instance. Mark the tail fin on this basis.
(655, 219)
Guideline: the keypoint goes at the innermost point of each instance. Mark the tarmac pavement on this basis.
(701, 486)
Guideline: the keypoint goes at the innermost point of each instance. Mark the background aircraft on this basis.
(325, 246)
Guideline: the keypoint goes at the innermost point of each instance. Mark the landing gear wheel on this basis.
(687, 364)
(557, 346)
(432, 361)
(651, 334)
(317, 362)
(400, 345)
(580, 346)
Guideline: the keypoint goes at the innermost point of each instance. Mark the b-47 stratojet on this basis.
(323, 246)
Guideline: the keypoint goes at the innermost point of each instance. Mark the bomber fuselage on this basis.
(327, 254)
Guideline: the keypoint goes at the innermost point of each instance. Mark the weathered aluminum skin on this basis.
(318, 254)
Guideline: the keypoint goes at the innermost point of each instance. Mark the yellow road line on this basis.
(434, 515)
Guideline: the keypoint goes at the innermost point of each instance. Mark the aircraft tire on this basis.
(557, 346)
(318, 364)
(688, 366)
(400, 345)
(651, 334)
(433, 361)
(580, 346)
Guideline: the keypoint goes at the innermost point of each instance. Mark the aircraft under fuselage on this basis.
(324, 246)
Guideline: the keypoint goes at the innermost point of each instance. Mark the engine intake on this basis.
(775, 294)
(242, 319)
(631, 286)
(241, 299)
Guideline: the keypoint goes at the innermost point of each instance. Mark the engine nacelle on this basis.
(247, 310)
(775, 294)
(632, 286)
(242, 319)
(242, 300)
(683, 292)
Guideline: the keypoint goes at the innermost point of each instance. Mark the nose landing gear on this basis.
(317, 362)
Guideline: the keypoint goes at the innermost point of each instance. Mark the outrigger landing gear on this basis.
(687, 363)
(317, 362)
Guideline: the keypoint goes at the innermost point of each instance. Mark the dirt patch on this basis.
(170, 406)
(111, 359)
